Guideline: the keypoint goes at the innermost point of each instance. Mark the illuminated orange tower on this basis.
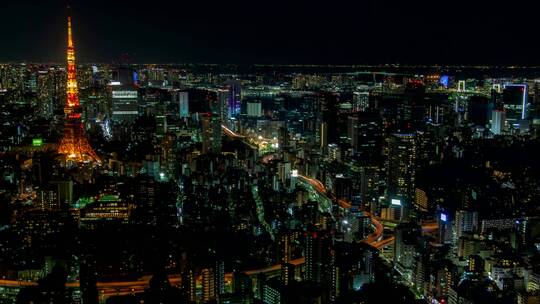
(74, 145)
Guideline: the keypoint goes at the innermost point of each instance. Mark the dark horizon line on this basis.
(395, 65)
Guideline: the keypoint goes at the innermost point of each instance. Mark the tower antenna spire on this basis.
(70, 35)
(74, 145)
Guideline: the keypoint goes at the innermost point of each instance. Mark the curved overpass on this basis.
(372, 239)
(319, 186)
(231, 133)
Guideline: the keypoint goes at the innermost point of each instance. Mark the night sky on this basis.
(278, 31)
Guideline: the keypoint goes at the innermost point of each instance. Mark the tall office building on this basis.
(273, 292)
(360, 101)
(146, 190)
(234, 98)
(412, 110)
(421, 200)
(64, 191)
(285, 246)
(317, 256)
(445, 228)
(208, 285)
(254, 109)
(324, 135)
(47, 199)
(312, 255)
(365, 134)
(352, 131)
(466, 221)
(334, 152)
(287, 273)
(223, 104)
(283, 137)
(515, 98)
(219, 277)
(45, 92)
(327, 106)
(478, 110)
(211, 134)
(125, 104)
(125, 75)
(498, 122)
(30, 82)
(420, 272)
(407, 235)
(394, 211)
(343, 187)
(401, 170)
(189, 285)
(213, 282)
(242, 285)
(88, 279)
(183, 103)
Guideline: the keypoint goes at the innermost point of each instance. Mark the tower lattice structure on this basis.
(74, 145)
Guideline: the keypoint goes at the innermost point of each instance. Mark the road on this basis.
(374, 238)
(260, 211)
(231, 133)
(319, 186)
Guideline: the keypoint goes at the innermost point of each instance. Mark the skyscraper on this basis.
(401, 170)
(74, 145)
(183, 103)
(213, 281)
(412, 111)
(352, 131)
(360, 101)
(219, 278)
(364, 133)
(466, 222)
(233, 102)
(208, 285)
(254, 109)
(407, 235)
(324, 135)
(189, 285)
(515, 101)
(125, 107)
(287, 273)
(317, 257)
(498, 121)
(223, 104)
(478, 110)
(211, 133)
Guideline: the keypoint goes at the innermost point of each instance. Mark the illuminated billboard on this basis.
(443, 217)
(396, 202)
(37, 142)
(444, 81)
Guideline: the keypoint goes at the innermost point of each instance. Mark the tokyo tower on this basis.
(74, 145)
